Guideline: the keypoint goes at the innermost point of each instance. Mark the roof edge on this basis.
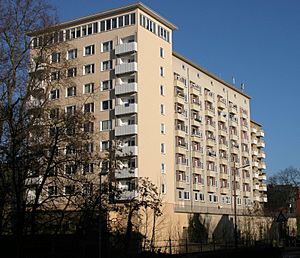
(209, 73)
(103, 14)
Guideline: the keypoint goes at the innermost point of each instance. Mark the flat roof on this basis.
(105, 14)
(179, 56)
(254, 122)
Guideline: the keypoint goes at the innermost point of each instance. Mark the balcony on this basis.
(262, 165)
(234, 150)
(260, 133)
(246, 193)
(222, 118)
(255, 164)
(224, 190)
(179, 84)
(263, 188)
(234, 137)
(180, 184)
(210, 127)
(211, 173)
(224, 175)
(34, 180)
(197, 186)
(261, 155)
(126, 68)
(126, 130)
(256, 198)
(209, 96)
(254, 141)
(197, 154)
(253, 130)
(245, 140)
(127, 151)
(198, 170)
(180, 133)
(209, 112)
(263, 176)
(180, 116)
(179, 99)
(256, 175)
(126, 48)
(256, 187)
(181, 166)
(222, 103)
(126, 173)
(211, 188)
(223, 146)
(264, 199)
(223, 161)
(223, 132)
(126, 88)
(181, 149)
(260, 144)
(232, 109)
(125, 109)
(254, 153)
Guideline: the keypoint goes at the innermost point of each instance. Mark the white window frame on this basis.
(90, 67)
(110, 43)
(162, 90)
(162, 128)
(92, 87)
(162, 52)
(110, 106)
(92, 50)
(109, 83)
(109, 125)
(110, 66)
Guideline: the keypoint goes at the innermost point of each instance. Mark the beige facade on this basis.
(187, 130)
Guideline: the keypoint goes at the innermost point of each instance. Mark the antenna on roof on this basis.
(233, 80)
(242, 86)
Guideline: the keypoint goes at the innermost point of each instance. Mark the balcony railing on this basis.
(126, 68)
(126, 88)
(126, 173)
(126, 48)
(127, 151)
(125, 109)
(126, 130)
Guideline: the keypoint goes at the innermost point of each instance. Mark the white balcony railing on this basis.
(126, 173)
(126, 48)
(126, 88)
(125, 109)
(126, 130)
(126, 68)
(127, 151)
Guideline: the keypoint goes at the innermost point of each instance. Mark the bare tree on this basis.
(45, 151)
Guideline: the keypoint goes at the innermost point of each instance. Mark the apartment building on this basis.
(185, 129)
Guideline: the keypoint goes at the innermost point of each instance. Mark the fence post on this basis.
(170, 246)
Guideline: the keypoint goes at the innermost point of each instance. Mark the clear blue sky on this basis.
(256, 41)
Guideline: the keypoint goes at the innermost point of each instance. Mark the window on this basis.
(88, 107)
(72, 72)
(186, 195)
(106, 65)
(162, 128)
(163, 189)
(54, 76)
(162, 71)
(70, 169)
(54, 94)
(54, 113)
(106, 85)
(179, 194)
(106, 105)
(162, 52)
(88, 69)
(71, 91)
(162, 148)
(162, 109)
(162, 90)
(105, 125)
(107, 46)
(70, 110)
(87, 189)
(89, 50)
(88, 127)
(72, 54)
(104, 145)
(55, 58)
(52, 190)
(88, 88)
(69, 189)
(88, 168)
(163, 168)
(89, 147)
